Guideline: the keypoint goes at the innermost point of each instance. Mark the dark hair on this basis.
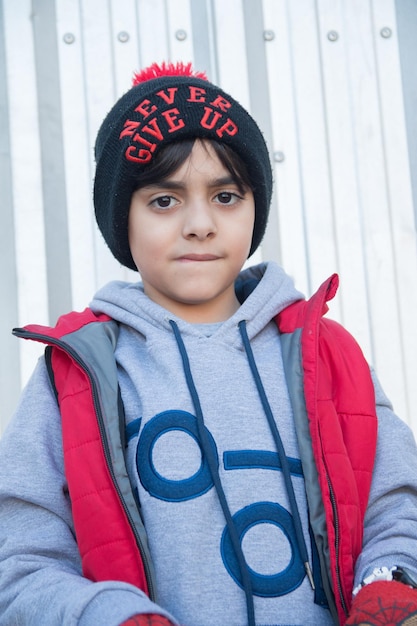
(174, 154)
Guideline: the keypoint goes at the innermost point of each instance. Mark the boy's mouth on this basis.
(198, 257)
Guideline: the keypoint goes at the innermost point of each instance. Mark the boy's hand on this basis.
(387, 603)
(147, 620)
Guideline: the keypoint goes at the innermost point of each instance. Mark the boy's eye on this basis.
(164, 202)
(227, 197)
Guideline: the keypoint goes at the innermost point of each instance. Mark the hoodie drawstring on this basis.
(213, 467)
(212, 463)
(281, 452)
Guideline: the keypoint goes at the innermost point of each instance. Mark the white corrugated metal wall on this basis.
(328, 80)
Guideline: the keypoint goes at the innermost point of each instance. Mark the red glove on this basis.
(147, 620)
(384, 603)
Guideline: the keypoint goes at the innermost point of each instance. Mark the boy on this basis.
(201, 448)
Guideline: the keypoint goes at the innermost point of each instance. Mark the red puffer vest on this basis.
(338, 437)
(334, 412)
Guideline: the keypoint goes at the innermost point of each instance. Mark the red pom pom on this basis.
(166, 69)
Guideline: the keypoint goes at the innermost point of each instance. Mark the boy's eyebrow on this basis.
(178, 184)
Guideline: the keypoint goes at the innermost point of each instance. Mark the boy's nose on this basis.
(199, 221)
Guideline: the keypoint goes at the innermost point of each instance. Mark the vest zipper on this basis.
(24, 334)
(337, 543)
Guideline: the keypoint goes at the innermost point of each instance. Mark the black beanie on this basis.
(168, 103)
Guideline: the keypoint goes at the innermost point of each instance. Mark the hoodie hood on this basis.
(263, 290)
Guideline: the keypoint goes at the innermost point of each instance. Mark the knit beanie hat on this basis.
(169, 103)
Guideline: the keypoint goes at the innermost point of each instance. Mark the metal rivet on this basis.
(386, 32)
(69, 38)
(332, 35)
(269, 35)
(279, 156)
(123, 36)
(181, 34)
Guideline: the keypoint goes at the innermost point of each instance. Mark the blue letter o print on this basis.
(267, 586)
(158, 486)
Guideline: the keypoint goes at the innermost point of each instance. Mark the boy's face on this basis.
(189, 236)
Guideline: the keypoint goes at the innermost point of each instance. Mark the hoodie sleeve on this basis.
(40, 568)
(390, 533)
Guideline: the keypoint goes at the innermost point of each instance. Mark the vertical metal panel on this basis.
(25, 159)
(77, 152)
(407, 30)
(124, 36)
(312, 137)
(52, 157)
(401, 222)
(285, 143)
(374, 183)
(344, 192)
(231, 49)
(260, 103)
(102, 85)
(153, 32)
(324, 83)
(204, 37)
(179, 30)
(406, 14)
(9, 386)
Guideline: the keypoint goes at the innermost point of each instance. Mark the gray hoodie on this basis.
(197, 573)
